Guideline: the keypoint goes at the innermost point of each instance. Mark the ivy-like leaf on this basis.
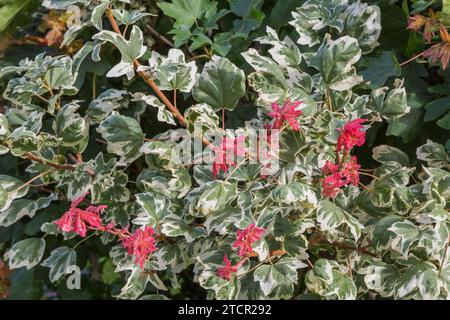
(60, 261)
(26, 253)
(221, 84)
(131, 50)
(123, 134)
(71, 128)
(10, 189)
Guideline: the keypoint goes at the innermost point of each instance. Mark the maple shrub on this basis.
(339, 203)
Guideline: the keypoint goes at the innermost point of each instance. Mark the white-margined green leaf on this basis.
(24, 207)
(364, 23)
(129, 17)
(385, 153)
(123, 134)
(202, 116)
(433, 153)
(155, 206)
(330, 217)
(59, 262)
(282, 273)
(4, 126)
(10, 189)
(164, 115)
(406, 234)
(285, 52)
(172, 72)
(71, 128)
(390, 106)
(335, 61)
(380, 277)
(97, 14)
(294, 193)
(104, 104)
(327, 279)
(130, 50)
(215, 196)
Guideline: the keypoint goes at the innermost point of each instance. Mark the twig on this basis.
(412, 59)
(35, 158)
(198, 57)
(32, 179)
(160, 36)
(341, 245)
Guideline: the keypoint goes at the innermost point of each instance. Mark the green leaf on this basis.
(59, 262)
(185, 12)
(406, 234)
(130, 50)
(294, 193)
(71, 128)
(283, 274)
(216, 195)
(164, 115)
(380, 277)
(385, 153)
(24, 207)
(155, 206)
(173, 73)
(10, 189)
(221, 84)
(407, 126)
(444, 122)
(335, 60)
(363, 23)
(9, 10)
(330, 217)
(26, 253)
(326, 279)
(433, 153)
(380, 68)
(123, 134)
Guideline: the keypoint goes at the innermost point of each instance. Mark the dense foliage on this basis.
(102, 98)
